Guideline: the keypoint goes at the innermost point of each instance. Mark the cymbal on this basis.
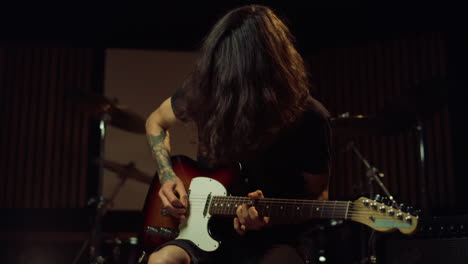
(361, 125)
(128, 170)
(125, 119)
(102, 108)
(420, 102)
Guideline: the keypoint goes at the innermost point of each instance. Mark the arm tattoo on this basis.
(161, 155)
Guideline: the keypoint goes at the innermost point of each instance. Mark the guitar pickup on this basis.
(156, 231)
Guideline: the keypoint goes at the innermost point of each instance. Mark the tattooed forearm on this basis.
(160, 153)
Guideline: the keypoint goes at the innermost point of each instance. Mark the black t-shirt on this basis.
(278, 172)
(278, 169)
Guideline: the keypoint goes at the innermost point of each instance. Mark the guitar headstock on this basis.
(383, 217)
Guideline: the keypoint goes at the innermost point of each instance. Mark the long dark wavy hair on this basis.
(249, 83)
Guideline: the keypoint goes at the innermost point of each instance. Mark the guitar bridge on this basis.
(207, 204)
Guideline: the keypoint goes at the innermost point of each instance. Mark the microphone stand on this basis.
(373, 175)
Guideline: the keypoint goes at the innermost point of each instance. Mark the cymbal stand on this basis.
(95, 240)
(422, 160)
(101, 203)
(101, 211)
(373, 175)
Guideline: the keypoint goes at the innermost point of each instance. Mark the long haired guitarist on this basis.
(249, 98)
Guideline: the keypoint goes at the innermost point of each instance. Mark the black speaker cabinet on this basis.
(438, 240)
(425, 250)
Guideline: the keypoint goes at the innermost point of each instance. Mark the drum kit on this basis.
(410, 110)
(108, 112)
(406, 111)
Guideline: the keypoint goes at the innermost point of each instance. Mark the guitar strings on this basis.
(292, 202)
(339, 209)
(350, 212)
(266, 199)
(197, 202)
(350, 215)
(289, 204)
(204, 197)
(318, 203)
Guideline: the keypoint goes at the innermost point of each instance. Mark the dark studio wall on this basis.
(362, 61)
(48, 142)
(381, 80)
(390, 81)
(45, 133)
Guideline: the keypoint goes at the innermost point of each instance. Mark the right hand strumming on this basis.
(174, 198)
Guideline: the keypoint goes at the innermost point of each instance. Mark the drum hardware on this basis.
(126, 171)
(117, 115)
(107, 112)
(95, 242)
(364, 125)
(373, 175)
(407, 111)
(412, 109)
(121, 251)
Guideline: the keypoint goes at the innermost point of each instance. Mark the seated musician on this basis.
(249, 97)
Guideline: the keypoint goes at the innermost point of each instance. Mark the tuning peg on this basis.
(390, 202)
(384, 200)
(377, 198)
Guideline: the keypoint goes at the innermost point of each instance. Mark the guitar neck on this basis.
(290, 208)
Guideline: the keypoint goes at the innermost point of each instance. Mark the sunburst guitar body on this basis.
(208, 197)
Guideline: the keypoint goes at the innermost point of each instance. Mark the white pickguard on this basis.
(195, 227)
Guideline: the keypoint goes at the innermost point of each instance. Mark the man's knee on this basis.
(169, 255)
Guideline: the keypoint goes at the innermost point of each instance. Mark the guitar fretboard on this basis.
(227, 205)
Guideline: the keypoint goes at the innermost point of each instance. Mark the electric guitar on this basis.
(208, 197)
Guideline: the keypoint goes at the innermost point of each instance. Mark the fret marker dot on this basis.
(318, 209)
(281, 207)
(268, 207)
(297, 208)
(216, 204)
